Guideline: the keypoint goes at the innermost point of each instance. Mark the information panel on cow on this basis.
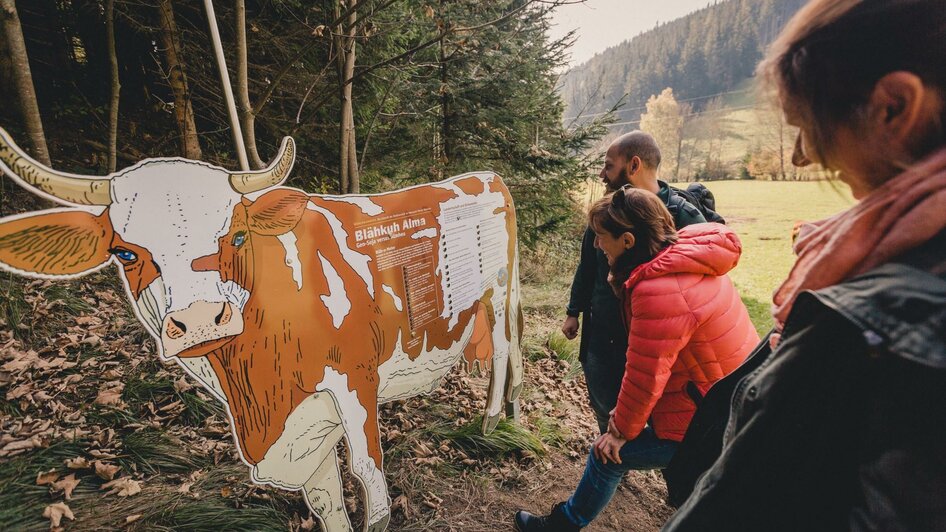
(301, 313)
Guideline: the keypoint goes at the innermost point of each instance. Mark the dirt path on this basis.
(485, 495)
(638, 505)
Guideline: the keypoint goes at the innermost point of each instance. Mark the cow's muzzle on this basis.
(200, 328)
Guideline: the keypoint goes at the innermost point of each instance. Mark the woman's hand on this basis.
(612, 428)
(608, 447)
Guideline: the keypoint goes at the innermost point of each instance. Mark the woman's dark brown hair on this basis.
(832, 53)
(635, 211)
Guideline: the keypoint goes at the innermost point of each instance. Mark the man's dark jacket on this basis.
(843, 426)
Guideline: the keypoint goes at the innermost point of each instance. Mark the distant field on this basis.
(763, 213)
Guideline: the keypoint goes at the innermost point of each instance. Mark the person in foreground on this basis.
(686, 327)
(842, 426)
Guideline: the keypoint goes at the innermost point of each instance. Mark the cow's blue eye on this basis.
(239, 239)
(124, 255)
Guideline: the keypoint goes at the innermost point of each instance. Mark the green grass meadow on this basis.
(763, 214)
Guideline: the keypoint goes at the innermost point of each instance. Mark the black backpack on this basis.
(700, 197)
(703, 442)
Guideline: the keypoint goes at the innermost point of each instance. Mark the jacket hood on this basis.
(706, 249)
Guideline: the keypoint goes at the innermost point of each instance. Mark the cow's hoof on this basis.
(490, 423)
(380, 526)
(514, 393)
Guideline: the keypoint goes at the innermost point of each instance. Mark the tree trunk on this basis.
(247, 115)
(446, 118)
(115, 89)
(23, 78)
(676, 168)
(7, 80)
(354, 176)
(348, 178)
(183, 110)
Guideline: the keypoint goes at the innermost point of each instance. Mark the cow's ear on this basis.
(57, 243)
(277, 212)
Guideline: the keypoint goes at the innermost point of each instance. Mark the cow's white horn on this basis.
(274, 174)
(71, 188)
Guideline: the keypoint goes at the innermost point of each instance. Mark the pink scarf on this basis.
(899, 215)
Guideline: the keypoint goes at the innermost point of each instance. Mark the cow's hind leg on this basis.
(516, 323)
(358, 409)
(500, 364)
(507, 375)
(323, 495)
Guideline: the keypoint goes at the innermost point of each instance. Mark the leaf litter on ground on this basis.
(68, 409)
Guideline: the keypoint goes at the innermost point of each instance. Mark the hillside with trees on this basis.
(690, 84)
(708, 52)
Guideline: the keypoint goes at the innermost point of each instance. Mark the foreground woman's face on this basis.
(889, 133)
(844, 156)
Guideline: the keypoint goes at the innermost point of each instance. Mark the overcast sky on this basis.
(605, 23)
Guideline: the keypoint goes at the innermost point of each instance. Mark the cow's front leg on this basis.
(357, 404)
(323, 495)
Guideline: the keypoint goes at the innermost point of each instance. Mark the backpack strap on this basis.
(675, 204)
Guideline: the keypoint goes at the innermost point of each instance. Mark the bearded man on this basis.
(633, 158)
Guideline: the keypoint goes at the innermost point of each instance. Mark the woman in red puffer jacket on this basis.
(687, 328)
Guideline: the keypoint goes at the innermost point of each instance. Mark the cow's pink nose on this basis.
(176, 328)
(198, 326)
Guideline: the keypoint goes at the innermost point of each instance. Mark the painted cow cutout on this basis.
(302, 313)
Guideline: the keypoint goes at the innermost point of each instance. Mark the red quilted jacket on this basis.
(686, 323)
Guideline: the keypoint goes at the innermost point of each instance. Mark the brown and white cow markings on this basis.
(289, 338)
(300, 312)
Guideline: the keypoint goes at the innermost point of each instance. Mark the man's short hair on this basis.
(640, 144)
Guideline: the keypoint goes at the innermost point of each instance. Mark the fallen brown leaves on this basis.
(105, 471)
(67, 485)
(74, 386)
(64, 382)
(44, 479)
(110, 394)
(123, 487)
(55, 513)
(78, 463)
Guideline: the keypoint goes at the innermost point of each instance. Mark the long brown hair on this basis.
(635, 211)
(832, 53)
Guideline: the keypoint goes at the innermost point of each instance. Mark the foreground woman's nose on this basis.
(799, 158)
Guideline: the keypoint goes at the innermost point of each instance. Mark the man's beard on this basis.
(617, 183)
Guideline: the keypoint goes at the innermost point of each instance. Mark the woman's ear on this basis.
(901, 107)
(627, 239)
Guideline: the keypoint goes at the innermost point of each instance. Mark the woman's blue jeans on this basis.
(600, 480)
